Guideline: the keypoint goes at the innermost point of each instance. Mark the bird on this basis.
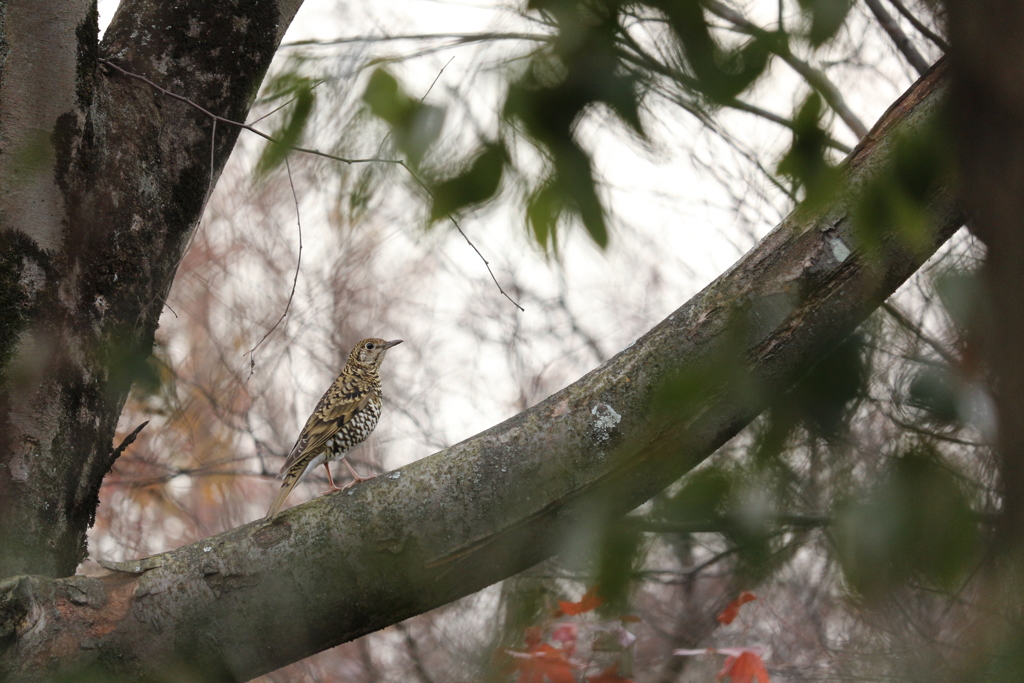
(345, 415)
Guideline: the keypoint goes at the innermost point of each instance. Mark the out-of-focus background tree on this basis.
(855, 509)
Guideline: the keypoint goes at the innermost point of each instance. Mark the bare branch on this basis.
(128, 441)
(899, 38)
(919, 25)
(295, 280)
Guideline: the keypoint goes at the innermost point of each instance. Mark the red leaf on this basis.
(609, 675)
(545, 664)
(589, 601)
(744, 669)
(733, 608)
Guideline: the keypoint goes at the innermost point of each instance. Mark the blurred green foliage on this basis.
(826, 18)
(806, 163)
(893, 205)
(1006, 663)
(823, 399)
(619, 555)
(704, 495)
(916, 523)
(475, 185)
(590, 62)
(414, 124)
(297, 98)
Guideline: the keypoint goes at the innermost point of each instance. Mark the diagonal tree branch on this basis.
(258, 597)
(898, 37)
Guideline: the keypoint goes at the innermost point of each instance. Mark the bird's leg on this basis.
(334, 487)
(355, 476)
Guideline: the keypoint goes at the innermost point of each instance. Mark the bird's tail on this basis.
(290, 480)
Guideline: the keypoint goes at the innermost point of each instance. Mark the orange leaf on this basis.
(609, 675)
(744, 669)
(733, 608)
(589, 601)
(545, 664)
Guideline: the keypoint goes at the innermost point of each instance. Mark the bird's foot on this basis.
(355, 480)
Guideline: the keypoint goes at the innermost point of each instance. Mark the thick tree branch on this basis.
(258, 597)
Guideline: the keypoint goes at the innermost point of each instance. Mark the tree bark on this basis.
(258, 597)
(102, 183)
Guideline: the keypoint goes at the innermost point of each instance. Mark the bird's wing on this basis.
(337, 407)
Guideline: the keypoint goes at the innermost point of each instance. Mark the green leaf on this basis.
(893, 207)
(297, 115)
(472, 187)
(386, 99)
(414, 124)
(543, 210)
(618, 558)
(720, 74)
(827, 17)
(806, 163)
(576, 182)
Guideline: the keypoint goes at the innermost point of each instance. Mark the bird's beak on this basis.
(393, 342)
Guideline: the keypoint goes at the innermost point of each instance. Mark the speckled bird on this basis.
(344, 417)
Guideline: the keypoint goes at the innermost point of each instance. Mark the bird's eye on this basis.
(369, 346)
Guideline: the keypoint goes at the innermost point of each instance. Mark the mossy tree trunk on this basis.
(264, 595)
(102, 182)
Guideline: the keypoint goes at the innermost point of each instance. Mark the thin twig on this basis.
(436, 78)
(487, 263)
(899, 38)
(457, 38)
(906, 323)
(251, 129)
(243, 126)
(285, 104)
(295, 280)
(384, 140)
(128, 441)
(168, 307)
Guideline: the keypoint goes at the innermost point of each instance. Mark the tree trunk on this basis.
(258, 597)
(102, 183)
(987, 61)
